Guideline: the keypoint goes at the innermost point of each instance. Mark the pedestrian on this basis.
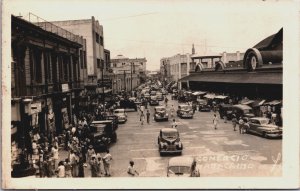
(215, 121)
(89, 154)
(142, 118)
(174, 124)
(107, 160)
(166, 101)
(74, 163)
(246, 127)
(241, 123)
(172, 111)
(81, 167)
(94, 166)
(54, 152)
(61, 170)
(234, 122)
(131, 170)
(99, 162)
(68, 168)
(148, 116)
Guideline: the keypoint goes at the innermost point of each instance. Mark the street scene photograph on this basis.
(108, 89)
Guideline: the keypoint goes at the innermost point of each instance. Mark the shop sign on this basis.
(64, 112)
(65, 87)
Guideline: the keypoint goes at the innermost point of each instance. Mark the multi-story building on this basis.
(132, 69)
(92, 31)
(47, 75)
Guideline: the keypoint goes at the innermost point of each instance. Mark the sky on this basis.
(155, 29)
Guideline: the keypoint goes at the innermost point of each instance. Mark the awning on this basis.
(221, 97)
(237, 77)
(210, 96)
(198, 93)
(274, 102)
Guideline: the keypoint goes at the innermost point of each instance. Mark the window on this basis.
(97, 37)
(35, 59)
(142, 63)
(98, 63)
(81, 59)
(84, 59)
(101, 40)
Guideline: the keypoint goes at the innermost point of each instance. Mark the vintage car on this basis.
(152, 93)
(241, 111)
(203, 105)
(128, 104)
(184, 166)
(121, 114)
(185, 111)
(169, 141)
(102, 134)
(147, 96)
(262, 126)
(225, 110)
(159, 96)
(114, 120)
(160, 113)
(153, 100)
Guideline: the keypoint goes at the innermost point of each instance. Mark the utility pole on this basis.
(131, 77)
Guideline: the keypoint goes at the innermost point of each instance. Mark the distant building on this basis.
(132, 69)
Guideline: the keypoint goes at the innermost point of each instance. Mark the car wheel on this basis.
(264, 134)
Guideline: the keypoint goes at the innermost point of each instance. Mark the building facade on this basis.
(48, 72)
(92, 31)
(129, 72)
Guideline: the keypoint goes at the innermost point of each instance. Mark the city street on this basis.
(221, 152)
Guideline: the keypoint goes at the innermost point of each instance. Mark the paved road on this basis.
(221, 152)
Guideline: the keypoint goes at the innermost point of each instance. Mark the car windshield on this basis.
(170, 135)
(160, 109)
(247, 111)
(119, 112)
(264, 121)
(179, 169)
(186, 107)
(97, 128)
(153, 97)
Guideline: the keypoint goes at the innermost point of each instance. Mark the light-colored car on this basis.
(160, 113)
(121, 114)
(153, 100)
(159, 96)
(185, 111)
(262, 126)
(185, 166)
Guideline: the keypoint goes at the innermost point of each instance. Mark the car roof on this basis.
(101, 122)
(260, 118)
(165, 130)
(119, 110)
(159, 107)
(181, 161)
(241, 106)
(183, 105)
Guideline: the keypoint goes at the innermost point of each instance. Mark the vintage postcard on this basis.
(150, 94)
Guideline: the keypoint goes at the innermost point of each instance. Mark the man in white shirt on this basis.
(106, 162)
(131, 170)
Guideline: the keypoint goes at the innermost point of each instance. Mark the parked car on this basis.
(159, 96)
(147, 96)
(160, 113)
(153, 100)
(121, 114)
(262, 126)
(203, 105)
(169, 141)
(243, 111)
(184, 166)
(114, 120)
(102, 134)
(225, 110)
(185, 111)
